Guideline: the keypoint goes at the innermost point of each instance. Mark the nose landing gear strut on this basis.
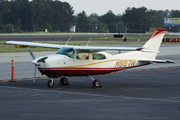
(96, 82)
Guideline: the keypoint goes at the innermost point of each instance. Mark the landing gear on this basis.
(50, 83)
(96, 83)
(64, 81)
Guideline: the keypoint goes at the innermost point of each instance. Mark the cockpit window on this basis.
(98, 56)
(66, 51)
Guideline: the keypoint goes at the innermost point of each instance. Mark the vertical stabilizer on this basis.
(154, 43)
(155, 40)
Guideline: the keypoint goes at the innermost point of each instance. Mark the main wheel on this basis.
(96, 83)
(50, 83)
(64, 81)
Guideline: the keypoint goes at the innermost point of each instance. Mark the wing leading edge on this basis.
(44, 45)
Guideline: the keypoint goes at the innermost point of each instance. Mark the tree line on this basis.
(57, 16)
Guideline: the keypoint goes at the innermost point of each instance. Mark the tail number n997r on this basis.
(125, 63)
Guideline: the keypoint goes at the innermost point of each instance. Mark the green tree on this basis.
(137, 20)
(17, 25)
(1, 19)
(26, 15)
(57, 18)
(5, 11)
(117, 27)
(68, 18)
(96, 25)
(95, 15)
(1, 22)
(38, 14)
(113, 22)
(174, 14)
(108, 18)
(82, 22)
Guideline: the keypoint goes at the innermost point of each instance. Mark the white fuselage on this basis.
(86, 63)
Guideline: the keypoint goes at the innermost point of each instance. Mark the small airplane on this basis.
(87, 61)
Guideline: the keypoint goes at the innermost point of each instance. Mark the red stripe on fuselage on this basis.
(72, 71)
(76, 71)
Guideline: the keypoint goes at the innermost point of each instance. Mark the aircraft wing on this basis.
(157, 61)
(91, 48)
(54, 46)
(80, 48)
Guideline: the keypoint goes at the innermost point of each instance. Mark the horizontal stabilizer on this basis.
(157, 61)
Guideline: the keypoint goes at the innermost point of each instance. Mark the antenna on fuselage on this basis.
(68, 40)
(88, 41)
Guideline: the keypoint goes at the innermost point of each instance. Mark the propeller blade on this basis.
(32, 55)
(34, 74)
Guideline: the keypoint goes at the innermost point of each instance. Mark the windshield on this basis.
(66, 51)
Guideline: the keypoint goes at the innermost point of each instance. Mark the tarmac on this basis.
(144, 93)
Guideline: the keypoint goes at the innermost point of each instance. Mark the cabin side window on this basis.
(82, 56)
(98, 56)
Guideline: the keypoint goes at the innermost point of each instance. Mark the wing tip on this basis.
(169, 61)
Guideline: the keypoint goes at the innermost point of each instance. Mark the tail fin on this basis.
(155, 40)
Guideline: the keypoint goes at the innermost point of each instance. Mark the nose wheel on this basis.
(96, 83)
(50, 83)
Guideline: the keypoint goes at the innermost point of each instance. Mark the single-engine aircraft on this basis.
(87, 61)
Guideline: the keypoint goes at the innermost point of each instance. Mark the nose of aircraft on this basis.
(35, 62)
(39, 60)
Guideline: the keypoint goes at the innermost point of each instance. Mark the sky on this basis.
(101, 7)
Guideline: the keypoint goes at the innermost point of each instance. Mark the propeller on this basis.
(32, 55)
(34, 74)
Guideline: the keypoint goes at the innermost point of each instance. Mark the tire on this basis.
(64, 81)
(96, 83)
(50, 83)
